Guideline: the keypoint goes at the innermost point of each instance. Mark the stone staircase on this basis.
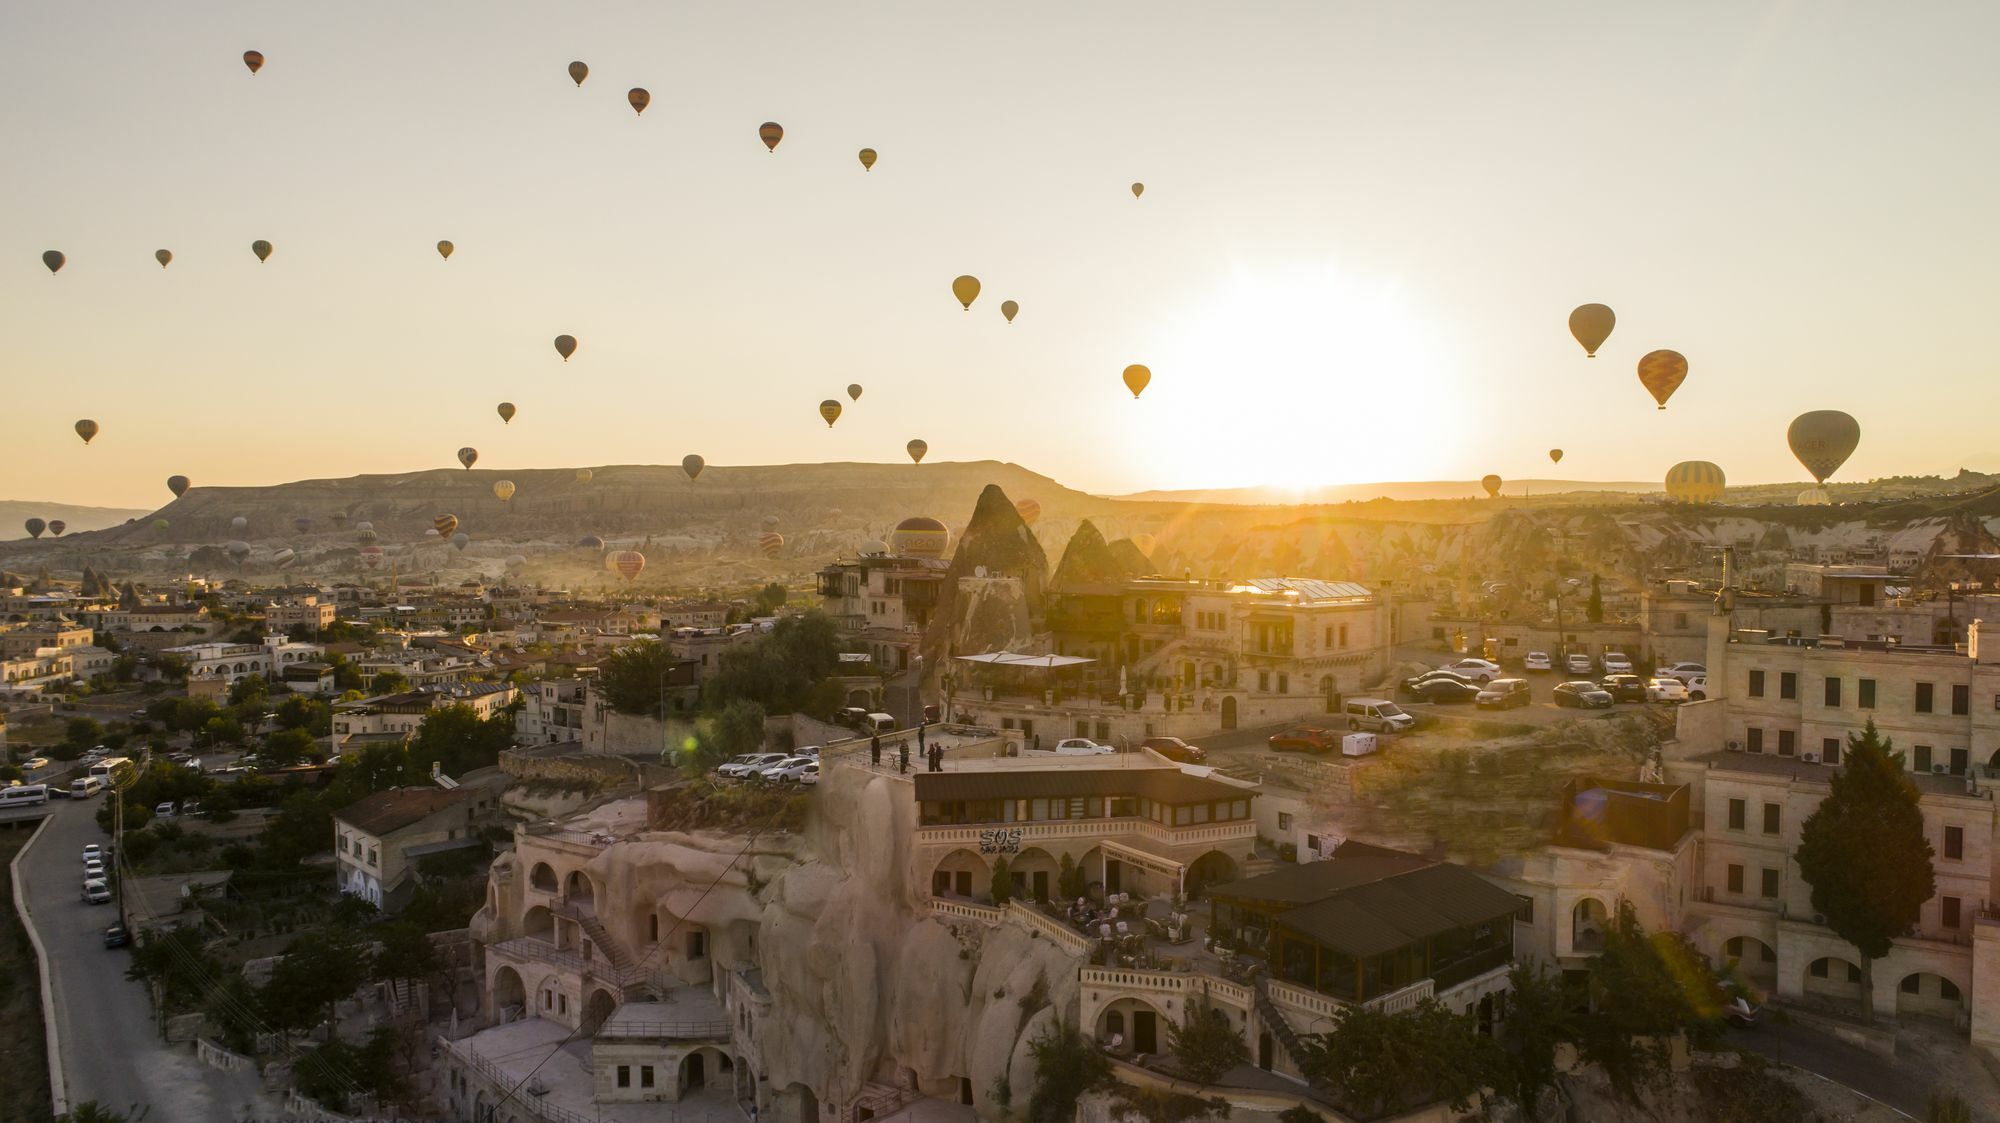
(1274, 1020)
(877, 1101)
(635, 979)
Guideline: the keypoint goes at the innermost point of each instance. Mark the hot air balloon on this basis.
(771, 543)
(1492, 485)
(503, 490)
(1008, 309)
(461, 540)
(1695, 481)
(467, 455)
(1138, 189)
(585, 475)
(506, 412)
(36, 527)
(1662, 372)
(516, 561)
(1591, 324)
(239, 524)
(54, 260)
(770, 132)
(919, 537)
(966, 289)
(854, 391)
(302, 524)
(178, 485)
(285, 557)
(164, 257)
(86, 429)
(444, 249)
(238, 551)
(159, 526)
(1137, 378)
(692, 465)
(626, 563)
(1030, 510)
(1815, 497)
(262, 249)
(433, 534)
(444, 524)
(590, 542)
(1823, 440)
(770, 521)
(639, 99)
(830, 410)
(1146, 544)
(254, 60)
(578, 72)
(365, 532)
(917, 450)
(371, 556)
(867, 159)
(565, 346)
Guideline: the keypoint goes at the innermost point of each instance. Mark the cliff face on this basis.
(994, 591)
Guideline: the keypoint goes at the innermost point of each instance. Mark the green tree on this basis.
(404, 951)
(738, 729)
(1067, 1066)
(321, 967)
(302, 827)
(81, 733)
(771, 598)
(632, 677)
(173, 668)
(459, 740)
(125, 668)
(249, 688)
(289, 746)
(1645, 990)
(1070, 883)
(1593, 609)
(1540, 1015)
(1002, 885)
(330, 1073)
(174, 960)
(1864, 853)
(389, 682)
(309, 714)
(222, 730)
(1378, 1062)
(780, 669)
(1205, 1046)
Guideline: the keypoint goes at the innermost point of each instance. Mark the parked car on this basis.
(809, 775)
(757, 761)
(1082, 746)
(93, 852)
(1697, 687)
(1304, 739)
(734, 761)
(116, 936)
(163, 810)
(1479, 669)
(854, 717)
(1444, 692)
(35, 762)
(1538, 661)
(93, 870)
(1685, 671)
(1617, 663)
(1583, 695)
(1503, 694)
(1376, 715)
(1664, 689)
(785, 770)
(1409, 685)
(96, 892)
(1624, 688)
(1173, 748)
(1577, 664)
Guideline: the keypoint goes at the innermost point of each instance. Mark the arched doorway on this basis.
(1588, 922)
(540, 924)
(577, 890)
(1229, 712)
(1212, 868)
(798, 1105)
(508, 991)
(1833, 981)
(705, 1068)
(1035, 874)
(1752, 960)
(542, 878)
(1924, 995)
(960, 873)
(1129, 1026)
(595, 1011)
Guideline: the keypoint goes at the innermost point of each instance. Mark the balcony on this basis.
(1043, 830)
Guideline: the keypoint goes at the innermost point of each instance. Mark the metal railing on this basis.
(679, 1028)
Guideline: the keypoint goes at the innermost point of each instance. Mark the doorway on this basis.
(1145, 1032)
(1264, 1051)
(1113, 871)
(696, 1077)
(1041, 885)
(1229, 712)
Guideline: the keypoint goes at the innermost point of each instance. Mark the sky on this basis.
(1363, 228)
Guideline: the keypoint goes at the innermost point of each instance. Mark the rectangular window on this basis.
(624, 1076)
(1788, 742)
(1961, 700)
(1526, 914)
(1183, 816)
(1770, 886)
(1829, 750)
(1284, 683)
(645, 1076)
(1756, 684)
(1735, 879)
(1343, 635)
(1924, 697)
(1954, 843)
(697, 945)
(1867, 699)
(1923, 758)
(1773, 818)
(1284, 820)
(1833, 692)
(1788, 684)
(1263, 682)
(1736, 811)
(1239, 809)
(1948, 911)
(1958, 762)
(1200, 814)
(1756, 742)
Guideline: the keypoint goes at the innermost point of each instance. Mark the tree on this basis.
(289, 746)
(1593, 609)
(309, 714)
(632, 677)
(1002, 884)
(389, 682)
(302, 827)
(771, 598)
(1379, 1062)
(459, 740)
(404, 951)
(1070, 882)
(1646, 990)
(1864, 853)
(1066, 1067)
(1540, 1016)
(81, 733)
(1204, 1044)
(249, 688)
(173, 668)
(780, 669)
(738, 729)
(321, 967)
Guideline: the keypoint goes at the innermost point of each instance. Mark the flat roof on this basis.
(1371, 900)
(1163, 785)
(1012, 659)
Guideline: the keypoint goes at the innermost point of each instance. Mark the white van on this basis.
(878, 723)
(24, 795)
(86, 787)
(1377, 715)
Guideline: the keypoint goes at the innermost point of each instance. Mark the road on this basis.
(111, 1051)
(1900, 1085)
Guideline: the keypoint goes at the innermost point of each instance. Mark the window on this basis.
(1924, 697)
(1770, 887)
(624, 1076)
(1773, 816)
(1263, 682)
(1948, 912)
(697, 945)
(1829, 750)
(1284, 820)
(1284, 683)
(1735, 879)
(1819, 968)
(1680, 620)
(1947, 990)
(1343, 635)
(1954, 843)
(1526, 914)
(1923, 758)
(1912, 984)
(1958, 762)
(1788, 742)
(1756, 684)
(645, 1076)
(1961, 699)
(1833, 692)
(1756, 742)
(1788, 684)
(1735, 814)
(1867, 699)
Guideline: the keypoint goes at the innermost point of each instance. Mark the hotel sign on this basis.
(1001, 840)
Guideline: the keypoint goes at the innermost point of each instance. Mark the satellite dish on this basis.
(979, 571)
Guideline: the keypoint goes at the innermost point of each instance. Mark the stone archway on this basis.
(1036, 874)
(797, 1105)
(1922, 994)
(542, 878)
(508, 991)
(1128, 1026)
(706, 1067)
(599, 1007)
(539, 923)
(578, 890)
(1212, 868)
(1589, 920)
(961, 874)
(1754, 961)
(1835, 982)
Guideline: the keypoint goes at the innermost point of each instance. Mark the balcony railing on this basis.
(1075, 828)
(682, 1028)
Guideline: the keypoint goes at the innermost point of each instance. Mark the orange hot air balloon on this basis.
(467, 456)
(445, 525)
(1591, 324)
(692, 465)
(1492, 485)
(1137, 378)
(1009, 309)
(770, 132)
(164, 257)
(444, 250)
(585, 475)
(503, 490)
(854, 391)
(578, 72)
(262, 249)
(1030, 510)
(1555, 456)
(371, 556)
(830, 410)
(506, 412)
(254, 60)
(626, 563)
(1823, 439)
(86, 429)
(916, 450)
(867, 159)
(771, 543)
(639, 99)
(54, 259)
(1661, 373)
(966, 289)
(565, 346)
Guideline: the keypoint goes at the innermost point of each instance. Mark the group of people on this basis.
(933, 754)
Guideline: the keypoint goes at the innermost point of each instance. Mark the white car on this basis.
(92, 852)
(757, 763)
(1664, 689)
(1697, 686)
(1685, 671)
(96, 892)
(807, 750)
(35, 762)
(787, 769)
(164, 810)
(810, 774)
(1082, 746)
(1479, 670)
(1617, 663)
(93, 870)
(1577, 664)
(1538, 661)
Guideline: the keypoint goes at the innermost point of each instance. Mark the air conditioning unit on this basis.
(1809, 758)
(1940, 769)
(1734, 746)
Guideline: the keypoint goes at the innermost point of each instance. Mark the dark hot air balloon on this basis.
(444, 250)
(36, 527)
(565, 346)
(1555, 456)
(87, 429)
(461, 540)
(867, 159)
(639, 99)
(692, 465)
(302, 524)
(54, 260)
(506, 412)
(1591, 324)
(262, 249)
(770, 132)
(164, 257)
(1138, 189)
(254, 60)
(585, 475)
(966, 289)
(854, 391)
(1661, 373)
(1823, 440)
(916, 450)
(830, 411)
(178, 485)
(1009, 309)
(1492, 485)
(578, 72)
(57, 526)
(467, 456)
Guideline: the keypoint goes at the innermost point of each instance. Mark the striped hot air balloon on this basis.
(626, 563)
(1029, 509)
(445, 524)
(1695, 481)
(771, 543)
(919, 537)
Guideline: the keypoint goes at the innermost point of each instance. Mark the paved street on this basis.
(111, 1051)
(1924, 1061)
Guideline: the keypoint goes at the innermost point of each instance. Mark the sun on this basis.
(1296, 377)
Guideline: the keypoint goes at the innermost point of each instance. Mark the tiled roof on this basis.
(387, 812)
